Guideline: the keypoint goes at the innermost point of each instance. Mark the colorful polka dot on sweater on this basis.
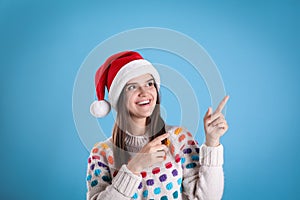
(101, 164)
(104, 146)
(89, 177)
(164, 198)
(172, 149)
(182, 160)
(103, 153)
(145, 193)
(181, 138)
(168, 165)
(175, 172)
(177, 158)
(175, 195)
(169, 186)
(140, 185)
(187, 151)
(92, 166)
(191, 142)
(168, 142)
(95, 150)
(94, 183)
(191, 165)
(115, 173)
(110, 160)
(182, 147)
(96, 157)
(150, 182)
(195, 157)
(156, 170)
(144, 174)
(157, 190)
(177, 131)
(97, 172)
(179, 181)
(106, 178)
(163, 178)
(135, 196)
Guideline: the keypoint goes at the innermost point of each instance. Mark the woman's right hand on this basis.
(152, 153)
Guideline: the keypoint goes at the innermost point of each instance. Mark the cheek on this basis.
(130, 100)
(154, 93)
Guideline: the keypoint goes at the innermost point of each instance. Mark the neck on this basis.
(137, 126)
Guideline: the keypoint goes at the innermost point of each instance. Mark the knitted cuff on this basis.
(126, 182)
(211, 156)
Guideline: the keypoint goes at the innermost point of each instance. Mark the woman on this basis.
(144, 158)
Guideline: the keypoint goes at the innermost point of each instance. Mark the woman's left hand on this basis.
(215, 124)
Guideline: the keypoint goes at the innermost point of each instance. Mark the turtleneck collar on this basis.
(135, 143)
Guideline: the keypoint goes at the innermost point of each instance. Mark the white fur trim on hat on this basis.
(127, 72)
(100, 108)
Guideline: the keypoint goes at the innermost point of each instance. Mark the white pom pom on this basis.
(100, 108)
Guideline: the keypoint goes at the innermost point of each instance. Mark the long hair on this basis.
(154, 123)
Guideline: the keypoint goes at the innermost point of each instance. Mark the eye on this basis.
(131, 87)
(150, 83)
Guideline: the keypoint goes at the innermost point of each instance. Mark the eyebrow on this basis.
(136, 82)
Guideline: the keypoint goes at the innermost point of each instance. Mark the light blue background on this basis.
(255, 45)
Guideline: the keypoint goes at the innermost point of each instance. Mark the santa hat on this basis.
(117, 70)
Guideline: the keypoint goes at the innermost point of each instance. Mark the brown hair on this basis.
(154, 123)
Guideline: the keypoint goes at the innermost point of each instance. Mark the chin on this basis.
(143, 114)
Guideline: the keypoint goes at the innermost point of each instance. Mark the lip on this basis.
(150, 101)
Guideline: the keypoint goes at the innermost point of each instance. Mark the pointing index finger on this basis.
(161, 137)
(222, 104)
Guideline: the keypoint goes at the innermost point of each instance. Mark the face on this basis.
(141, 96)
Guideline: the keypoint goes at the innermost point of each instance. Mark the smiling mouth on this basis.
(144, 103)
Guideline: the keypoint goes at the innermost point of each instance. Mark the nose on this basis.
(142, 90)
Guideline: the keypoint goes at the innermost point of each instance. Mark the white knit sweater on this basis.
(189, 171)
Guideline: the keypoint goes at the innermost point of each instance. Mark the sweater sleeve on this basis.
(203, 177)
(101, 185)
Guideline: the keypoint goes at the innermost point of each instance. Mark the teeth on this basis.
(143, 102)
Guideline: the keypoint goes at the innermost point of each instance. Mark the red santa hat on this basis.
(117, 70)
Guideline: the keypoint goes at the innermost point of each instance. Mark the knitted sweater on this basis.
(189, 171)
